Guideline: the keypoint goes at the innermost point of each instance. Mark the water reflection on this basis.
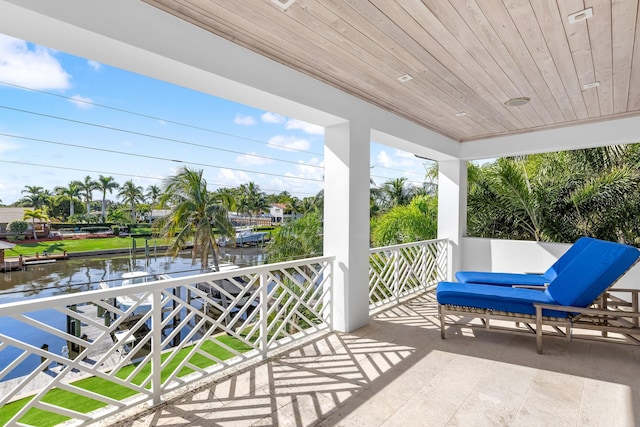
(82, 274)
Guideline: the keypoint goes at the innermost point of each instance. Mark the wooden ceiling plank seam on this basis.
(505, 27)
(401, 36)
(395, 87)
(252, 45)
(468, 41)
(349, 37)
(263, 33)
(444, 70)
(601, 45)
(212, 23)
(550, 21)
(580, 47)
(452, 97)
(623, 23)
(430, 24)
(474, 17)
(531, 33)
(605, 48)
(465, 99)
(634, 83)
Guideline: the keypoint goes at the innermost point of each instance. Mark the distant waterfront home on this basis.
(278, 215)
(277, 212)
(158, 213)
(8, 215)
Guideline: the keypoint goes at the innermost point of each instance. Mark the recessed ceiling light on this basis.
(284, 4)
(461, 114)
(405, 78)
(591, 85)
(517, 102)
(580, 15)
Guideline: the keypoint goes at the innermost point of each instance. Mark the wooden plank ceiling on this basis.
(465, 57)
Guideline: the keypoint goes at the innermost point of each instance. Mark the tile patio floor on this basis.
(398, 372)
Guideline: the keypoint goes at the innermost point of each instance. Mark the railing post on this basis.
(396, 275)
(264, 314)
(156, 348)
(327, 301)
(425, 264)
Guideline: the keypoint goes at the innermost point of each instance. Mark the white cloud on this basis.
(230, 178)
(302, 170)
(405, 155)
(304, 126)
(35, 68)
(244, 120)
(94, 64)
(311, 169)
(82, 102)
(251, 159)
(8, 146)
(398, 159)
(383, 159)
(273, 118)
(289, 143)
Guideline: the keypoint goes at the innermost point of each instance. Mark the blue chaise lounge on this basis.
(569, 297)
(511, 279)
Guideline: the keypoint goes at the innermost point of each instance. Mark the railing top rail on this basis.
(406, 245)
(100, 294)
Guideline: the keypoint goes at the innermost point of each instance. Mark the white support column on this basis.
(346, 221)
(452, 209)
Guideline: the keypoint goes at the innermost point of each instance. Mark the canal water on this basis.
(81, 274)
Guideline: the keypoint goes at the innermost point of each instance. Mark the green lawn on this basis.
(82, 245)
(66, 399)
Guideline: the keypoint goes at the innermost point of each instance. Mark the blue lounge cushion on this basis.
(491, 297)
(501, 279)
(510, 279)
(578, 283)
(591, 273)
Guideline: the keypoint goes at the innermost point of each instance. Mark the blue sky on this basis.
(84, 118)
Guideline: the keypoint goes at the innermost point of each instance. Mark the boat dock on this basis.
(98, 347)
(19, 263)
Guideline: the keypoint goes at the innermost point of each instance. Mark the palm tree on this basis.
(118, 216)
(557, 196)
(396, 192)
(297, 239)
(131, 194)
(33, 215)
(153, 194)
(196, 215)
(86, 187)
(33, 197)
(104, 184)
(252, 200)
(71, 193)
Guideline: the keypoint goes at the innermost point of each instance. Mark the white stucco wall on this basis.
(514, 256)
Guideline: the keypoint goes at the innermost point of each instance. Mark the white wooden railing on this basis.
(178, 331)
(401, 270)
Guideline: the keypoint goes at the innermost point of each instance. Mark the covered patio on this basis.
(397, 371)
(439, 80)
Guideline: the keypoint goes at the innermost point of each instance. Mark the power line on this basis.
(125, 153)
(147, 116)
(146, 135)
(136, 176)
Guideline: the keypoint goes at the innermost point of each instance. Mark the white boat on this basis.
(244, 235)
(135, 278)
